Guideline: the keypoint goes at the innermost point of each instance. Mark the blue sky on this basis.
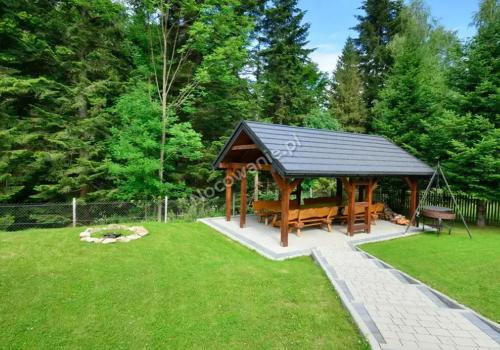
(331, 21)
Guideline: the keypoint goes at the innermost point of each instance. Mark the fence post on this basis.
(74, 212)
(166, 209)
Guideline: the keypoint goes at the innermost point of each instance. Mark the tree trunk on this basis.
(83, 114)
(164, 112)
(481, 213)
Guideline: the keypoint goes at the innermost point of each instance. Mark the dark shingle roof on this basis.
(305, 152)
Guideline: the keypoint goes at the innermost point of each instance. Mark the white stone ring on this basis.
(136, 232)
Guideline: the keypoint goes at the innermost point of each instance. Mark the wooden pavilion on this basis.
(292, 154)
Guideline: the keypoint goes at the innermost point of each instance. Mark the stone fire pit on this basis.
(113, 233)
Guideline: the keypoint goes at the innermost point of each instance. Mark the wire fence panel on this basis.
(15, 217)
(23, 216)
(117, 212)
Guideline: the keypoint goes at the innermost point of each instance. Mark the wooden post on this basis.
(285, 206)
(413, 198)
(243, 198)
(229, 195)
(368, 216)
(286, 189)
(339, 191)
(351, 208)
(299, 193)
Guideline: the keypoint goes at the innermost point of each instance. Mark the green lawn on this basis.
(183, 286)
(466, 269)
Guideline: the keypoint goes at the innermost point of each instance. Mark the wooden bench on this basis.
(377, 210)
(305, 217)
(264, 209)
(359, 213)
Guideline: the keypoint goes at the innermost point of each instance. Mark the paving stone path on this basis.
(400, 312)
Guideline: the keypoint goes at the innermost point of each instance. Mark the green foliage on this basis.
(6, 221)
(290, 83)
(474, 154)
(412, 102)
(475, 168)
(134, 148)
(346, 100)
(477, 77)
(81, 91)
(320, 119)
(376, 28)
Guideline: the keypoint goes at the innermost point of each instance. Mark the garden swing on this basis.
(439, 214)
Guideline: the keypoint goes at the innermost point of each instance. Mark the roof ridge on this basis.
(314, 129)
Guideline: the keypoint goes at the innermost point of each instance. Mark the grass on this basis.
(183, 286)
(467, 270)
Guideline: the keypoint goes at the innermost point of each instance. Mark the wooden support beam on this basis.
(285, 207)
(412, 183)
(368, 210)
(279, 180)
(248, 166)
(229, 193)
(351, 208)
(243, 198)
(243, 147)
(286, 187)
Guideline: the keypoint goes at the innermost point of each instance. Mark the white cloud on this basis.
(326, 61)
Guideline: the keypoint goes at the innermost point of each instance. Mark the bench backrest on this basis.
(358, 209)
(260, 205)
(264, 206)
(321, 212)
(319, 200)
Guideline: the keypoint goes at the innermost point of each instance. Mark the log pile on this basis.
(395, 218)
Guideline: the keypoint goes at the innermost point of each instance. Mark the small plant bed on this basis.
(112, 234)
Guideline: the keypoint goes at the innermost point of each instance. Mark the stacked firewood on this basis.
(393, 217)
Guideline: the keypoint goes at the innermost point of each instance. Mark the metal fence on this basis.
(22, 216)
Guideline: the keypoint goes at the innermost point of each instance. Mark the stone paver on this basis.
(405, 316)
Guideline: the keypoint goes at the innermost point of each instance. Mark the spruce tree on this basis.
(477, 77)
(376, 28)
(474, 163)
(290, 82)
(413, 100)
(31, 97)
(93, 66)
(346, 100)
